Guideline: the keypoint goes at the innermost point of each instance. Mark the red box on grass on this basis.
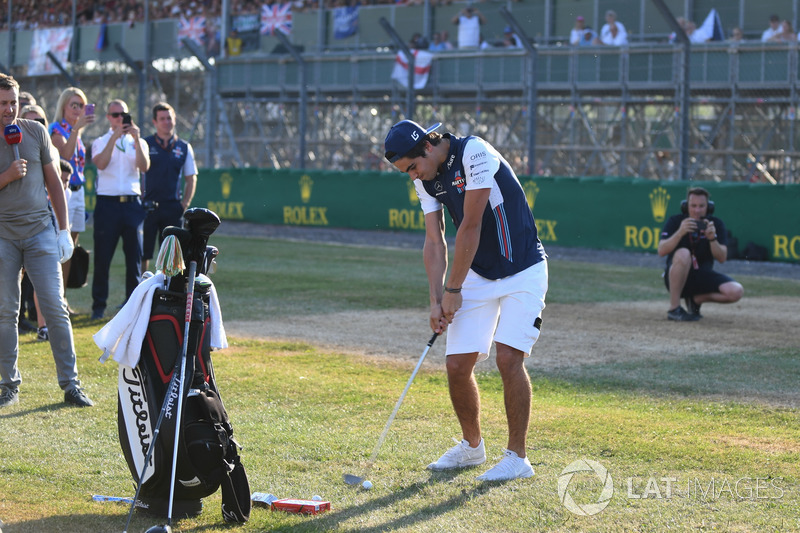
(301, 506)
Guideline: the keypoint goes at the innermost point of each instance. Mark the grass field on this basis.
(305, 416)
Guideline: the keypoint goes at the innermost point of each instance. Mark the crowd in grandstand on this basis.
(33, 14)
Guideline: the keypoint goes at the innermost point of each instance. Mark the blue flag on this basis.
(345, 22)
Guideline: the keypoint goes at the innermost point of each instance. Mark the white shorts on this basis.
(502, 310)
(76, 205)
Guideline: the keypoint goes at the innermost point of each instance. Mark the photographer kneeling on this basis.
(692, 241)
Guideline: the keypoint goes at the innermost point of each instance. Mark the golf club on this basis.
(179, 410)
(352, 479)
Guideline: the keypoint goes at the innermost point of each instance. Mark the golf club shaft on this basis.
(184, 350)
(399, 403)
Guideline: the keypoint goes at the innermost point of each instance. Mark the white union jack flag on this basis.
(276, 17)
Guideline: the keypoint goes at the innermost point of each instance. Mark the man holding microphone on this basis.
(29, 239)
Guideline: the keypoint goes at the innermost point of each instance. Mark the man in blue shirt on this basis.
(496, 286)
(170, 159)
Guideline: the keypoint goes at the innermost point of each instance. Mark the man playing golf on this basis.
(496, 285)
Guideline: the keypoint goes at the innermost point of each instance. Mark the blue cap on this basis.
(404, 136)
(508, 29)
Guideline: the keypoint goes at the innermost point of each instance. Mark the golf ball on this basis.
(367, 484)
(316, 498)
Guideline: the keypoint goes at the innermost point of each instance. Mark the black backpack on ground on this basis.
(208, 455)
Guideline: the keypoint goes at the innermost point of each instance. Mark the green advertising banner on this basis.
(606, 213)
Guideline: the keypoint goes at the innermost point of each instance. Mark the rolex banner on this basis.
(605, 213)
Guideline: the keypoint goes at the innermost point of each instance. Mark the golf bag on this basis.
(208, 456)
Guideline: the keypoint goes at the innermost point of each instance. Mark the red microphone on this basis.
(13, 137)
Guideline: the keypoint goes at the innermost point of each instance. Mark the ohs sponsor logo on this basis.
(305, 215)
(647, 237)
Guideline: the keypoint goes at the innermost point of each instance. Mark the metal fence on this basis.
(598, 111)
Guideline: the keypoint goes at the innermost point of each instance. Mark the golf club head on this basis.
(161, 528)
(208, 260)
(200, 222)
(351, 479)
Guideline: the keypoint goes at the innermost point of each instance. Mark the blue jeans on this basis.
(112, 220)
(39, 256)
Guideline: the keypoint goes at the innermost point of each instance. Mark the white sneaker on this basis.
(459, 456)
(511, 466)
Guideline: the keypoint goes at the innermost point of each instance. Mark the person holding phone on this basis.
(65, 132)
(120, 156)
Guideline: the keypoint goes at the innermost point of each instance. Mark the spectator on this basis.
(35, 112)
(120, 156)
(774, 28)
(511, 39)
(736, 35)
(469, 21)
(171, 158)
(36, 238)
(233, 44)
(438, 44)
(65, 132)
(786, 35)
(578, 31)
(26, 99)
(588, 37)
(613, 32)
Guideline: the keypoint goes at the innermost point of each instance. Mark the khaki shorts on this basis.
(503, 310)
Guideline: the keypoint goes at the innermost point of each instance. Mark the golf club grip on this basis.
(400, 401)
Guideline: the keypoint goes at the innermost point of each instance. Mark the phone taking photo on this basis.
(126, 118)
(89, 109)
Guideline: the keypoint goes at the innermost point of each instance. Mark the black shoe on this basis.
(97, 314)
(679, 314)
(43, 335)
(692, 306)
(77, 397)
(8, 396)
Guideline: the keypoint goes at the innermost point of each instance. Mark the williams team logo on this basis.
(659, 201)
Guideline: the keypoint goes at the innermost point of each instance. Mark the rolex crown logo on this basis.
(531, 190)
(226, 180)
(306, 183)
(412, 193)
(659, 200)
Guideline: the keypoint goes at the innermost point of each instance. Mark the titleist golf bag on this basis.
(207, 456)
